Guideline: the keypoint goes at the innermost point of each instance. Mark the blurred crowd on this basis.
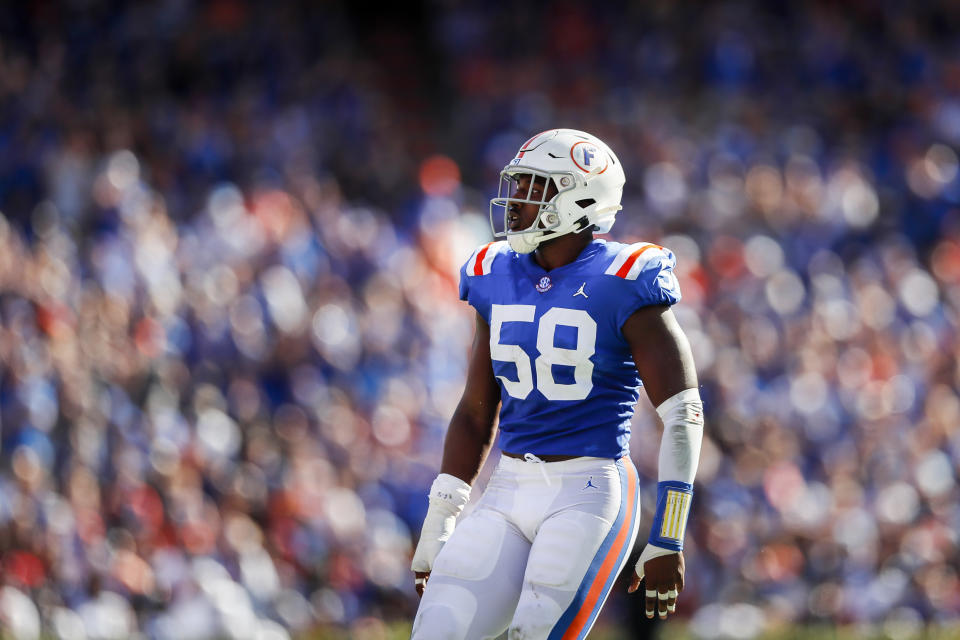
(230, 339)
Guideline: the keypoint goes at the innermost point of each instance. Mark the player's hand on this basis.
(420, 581)
(437, 529)
(663, 571)
(426, 552)
(448, 495)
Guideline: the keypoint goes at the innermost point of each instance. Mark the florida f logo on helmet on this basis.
(580, 170)
(588, 157)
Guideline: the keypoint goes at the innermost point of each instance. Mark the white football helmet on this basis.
(586, 173)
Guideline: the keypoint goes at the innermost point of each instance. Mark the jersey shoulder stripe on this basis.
(631, 259)
(481, 261)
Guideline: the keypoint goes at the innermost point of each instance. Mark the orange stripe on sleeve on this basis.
(625, 267)
(478, 265)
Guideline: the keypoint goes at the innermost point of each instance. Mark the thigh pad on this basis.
(472, 552)
(564, 548)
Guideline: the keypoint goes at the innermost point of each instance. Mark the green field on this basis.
(673, 631)
(679, 631)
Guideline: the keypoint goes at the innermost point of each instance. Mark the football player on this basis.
(567, 328)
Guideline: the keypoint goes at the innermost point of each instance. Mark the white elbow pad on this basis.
(448, 496)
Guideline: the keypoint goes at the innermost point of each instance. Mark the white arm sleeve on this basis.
(448, 496)
(682, 416)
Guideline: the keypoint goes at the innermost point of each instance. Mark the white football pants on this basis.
(538, 555)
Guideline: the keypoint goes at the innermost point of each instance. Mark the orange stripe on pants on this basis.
(610, 562)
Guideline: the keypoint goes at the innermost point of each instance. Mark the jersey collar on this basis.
(588, 253)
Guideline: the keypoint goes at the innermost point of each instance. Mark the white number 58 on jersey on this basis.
(578, 358)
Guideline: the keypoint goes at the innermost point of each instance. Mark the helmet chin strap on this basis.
(522, 242)
(528, 242)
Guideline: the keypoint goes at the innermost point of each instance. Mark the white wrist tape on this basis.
(682, 416)
(448, 496)
(449, 492)
(650, 551)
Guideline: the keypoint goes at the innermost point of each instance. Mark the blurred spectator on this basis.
(230, 336)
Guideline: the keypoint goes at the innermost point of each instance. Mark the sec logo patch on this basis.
(544, 285)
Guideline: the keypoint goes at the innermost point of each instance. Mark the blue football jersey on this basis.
(568, 381)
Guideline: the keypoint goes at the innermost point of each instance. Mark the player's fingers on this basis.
(672, 600)
(662, 604)
(634, 583)
(650, 600)
(420, 581)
